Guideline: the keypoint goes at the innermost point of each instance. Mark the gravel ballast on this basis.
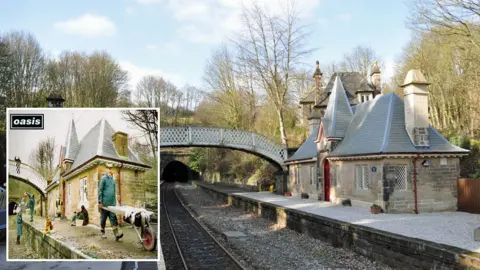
(266, 246)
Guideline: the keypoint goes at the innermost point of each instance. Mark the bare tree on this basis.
(359, 60)
(27, 64)
(220, 78)
(448, 17)
(41, 158)
(272, 46)
(147, 122)
(148, 91)
(94, 80)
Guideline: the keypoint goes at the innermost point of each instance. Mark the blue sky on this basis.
(174, 38)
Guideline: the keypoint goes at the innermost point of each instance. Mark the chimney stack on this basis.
(120, 141)
(375, 76)
(317, 78)
(416, 107)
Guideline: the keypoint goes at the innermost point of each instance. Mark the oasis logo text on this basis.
(26, 121)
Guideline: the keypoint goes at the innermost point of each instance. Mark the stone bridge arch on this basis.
(246, 141)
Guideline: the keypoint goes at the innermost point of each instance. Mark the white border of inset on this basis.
(9, 110)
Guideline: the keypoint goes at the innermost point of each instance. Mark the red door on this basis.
(326, 177)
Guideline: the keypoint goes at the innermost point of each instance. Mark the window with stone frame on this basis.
(362, 177)
(297, 174)
(312, 175)
(83, 189)
(401, 177)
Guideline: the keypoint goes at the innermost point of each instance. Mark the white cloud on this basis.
(136, 73)
(168, 47)
(88, 25)
(211, 21)
(344, 17)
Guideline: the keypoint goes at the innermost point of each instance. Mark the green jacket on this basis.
(19, 225)
(106, 191)
(32, 200)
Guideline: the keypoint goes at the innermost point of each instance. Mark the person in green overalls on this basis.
(106, 197)
(19, 226)
(32, 204)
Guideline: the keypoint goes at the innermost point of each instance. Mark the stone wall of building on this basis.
(304, 183)
(436, 185)
(343, 185)
(130, 189)
(52, 196)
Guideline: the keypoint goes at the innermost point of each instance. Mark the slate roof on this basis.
(378, 127)
(310, 98)
(55, 179)
(338, 113)
(353, 82)
(98, 142)
(71, 142)
(308, 149)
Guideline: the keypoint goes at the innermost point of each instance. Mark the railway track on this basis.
(196, 247)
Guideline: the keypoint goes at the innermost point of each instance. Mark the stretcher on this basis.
(138, 218)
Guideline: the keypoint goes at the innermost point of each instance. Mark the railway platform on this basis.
(381, 237)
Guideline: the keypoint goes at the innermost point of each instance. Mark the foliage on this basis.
(196, 161)
(469, 165)
(460, 140)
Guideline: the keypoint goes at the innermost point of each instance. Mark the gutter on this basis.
(399, 154)
(305, 160)
(105, 158)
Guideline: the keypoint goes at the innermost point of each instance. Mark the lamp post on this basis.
(55, 100)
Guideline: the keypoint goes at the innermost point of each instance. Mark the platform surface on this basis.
(450, 228)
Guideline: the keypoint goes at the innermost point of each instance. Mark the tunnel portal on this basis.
(11, 207)
(176, 171)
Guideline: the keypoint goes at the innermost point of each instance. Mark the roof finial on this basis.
(317, 70)
(374, 68)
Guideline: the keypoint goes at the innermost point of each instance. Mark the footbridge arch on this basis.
(246, 141)
(28, 175)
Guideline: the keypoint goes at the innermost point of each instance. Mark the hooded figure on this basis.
(48, 226)
(32, 204)
(106, 197)
(19, 226)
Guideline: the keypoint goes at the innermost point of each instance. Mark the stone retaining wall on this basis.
(48, 248)
(395, 250)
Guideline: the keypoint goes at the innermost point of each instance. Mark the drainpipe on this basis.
(120, 189)
(415, 182)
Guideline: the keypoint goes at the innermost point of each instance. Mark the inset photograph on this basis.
(82, 184)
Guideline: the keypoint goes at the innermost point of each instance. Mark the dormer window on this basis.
(364, 97)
